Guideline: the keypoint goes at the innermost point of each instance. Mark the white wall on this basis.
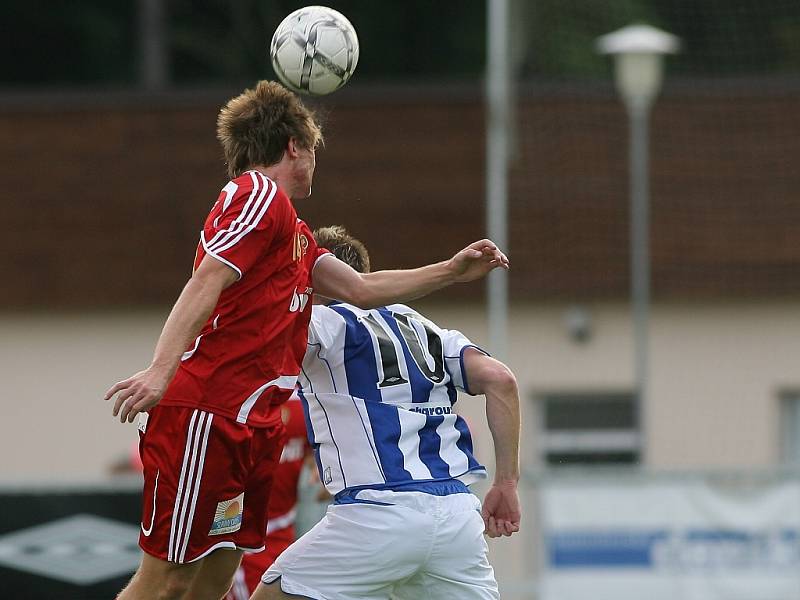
(54, 424)
(716, 373)
(715, 377)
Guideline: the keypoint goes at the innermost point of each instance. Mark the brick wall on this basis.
(105, 194)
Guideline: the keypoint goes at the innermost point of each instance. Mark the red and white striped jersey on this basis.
(246, 360)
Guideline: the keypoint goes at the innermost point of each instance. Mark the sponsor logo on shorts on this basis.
(228, 516)
(326, 476)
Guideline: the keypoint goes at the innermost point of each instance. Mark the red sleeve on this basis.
(320, 252)
(315, 253)
(242, 223)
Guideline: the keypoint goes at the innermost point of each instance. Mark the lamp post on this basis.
(498, 81)
(638, 52)
(154, 46)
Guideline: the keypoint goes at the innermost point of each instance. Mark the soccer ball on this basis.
(314, 50)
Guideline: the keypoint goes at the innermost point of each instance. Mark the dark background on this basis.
(25, 509)
(86, 42)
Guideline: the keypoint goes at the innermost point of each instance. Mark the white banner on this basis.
(634, 539)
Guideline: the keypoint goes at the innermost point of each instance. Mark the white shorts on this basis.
(403, 545)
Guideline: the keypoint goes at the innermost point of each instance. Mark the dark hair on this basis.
(254, 128)
(344, 246)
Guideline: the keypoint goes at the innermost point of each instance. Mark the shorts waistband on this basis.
(435, 488)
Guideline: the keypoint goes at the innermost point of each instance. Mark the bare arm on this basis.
(142, 391)
(487, 376)
(334, 279)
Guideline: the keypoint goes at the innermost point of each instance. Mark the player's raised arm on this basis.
(501, 509)
(334, 279)
(142, 391)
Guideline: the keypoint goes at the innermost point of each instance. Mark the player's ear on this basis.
(293, 148)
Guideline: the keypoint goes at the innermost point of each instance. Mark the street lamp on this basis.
(638, 52)
(498, 93)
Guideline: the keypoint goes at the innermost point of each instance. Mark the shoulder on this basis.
(242, 186)
(326, 325)
(335, 316)
(321, 312)
(303, 227)
(403, 309)
(400, 308)
(311, 251)
(256, 201)
(253, 188)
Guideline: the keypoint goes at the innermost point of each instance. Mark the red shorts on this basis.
(207, 481)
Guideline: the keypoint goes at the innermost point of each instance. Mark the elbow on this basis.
(492, 377)
(360, 295)
(501, 379)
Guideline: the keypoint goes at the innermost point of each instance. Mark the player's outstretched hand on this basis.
(501, 511)
(138, 393)
(476, 260)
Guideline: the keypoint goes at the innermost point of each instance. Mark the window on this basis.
(589, 428)
(790, 428)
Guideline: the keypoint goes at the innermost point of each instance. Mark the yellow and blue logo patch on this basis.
(228, 516)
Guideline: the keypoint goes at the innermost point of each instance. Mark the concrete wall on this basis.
(716, 373)
(103, 182)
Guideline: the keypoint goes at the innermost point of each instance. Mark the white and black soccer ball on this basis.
(314, 50)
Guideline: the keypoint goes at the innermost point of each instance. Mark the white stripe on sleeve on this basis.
(251, 221)
(239, 222)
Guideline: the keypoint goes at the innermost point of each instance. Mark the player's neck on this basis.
(279, 174)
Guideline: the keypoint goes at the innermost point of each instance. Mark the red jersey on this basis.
(284, 483)
(247, 357)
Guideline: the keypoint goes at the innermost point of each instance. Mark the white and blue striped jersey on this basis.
(378, 387)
